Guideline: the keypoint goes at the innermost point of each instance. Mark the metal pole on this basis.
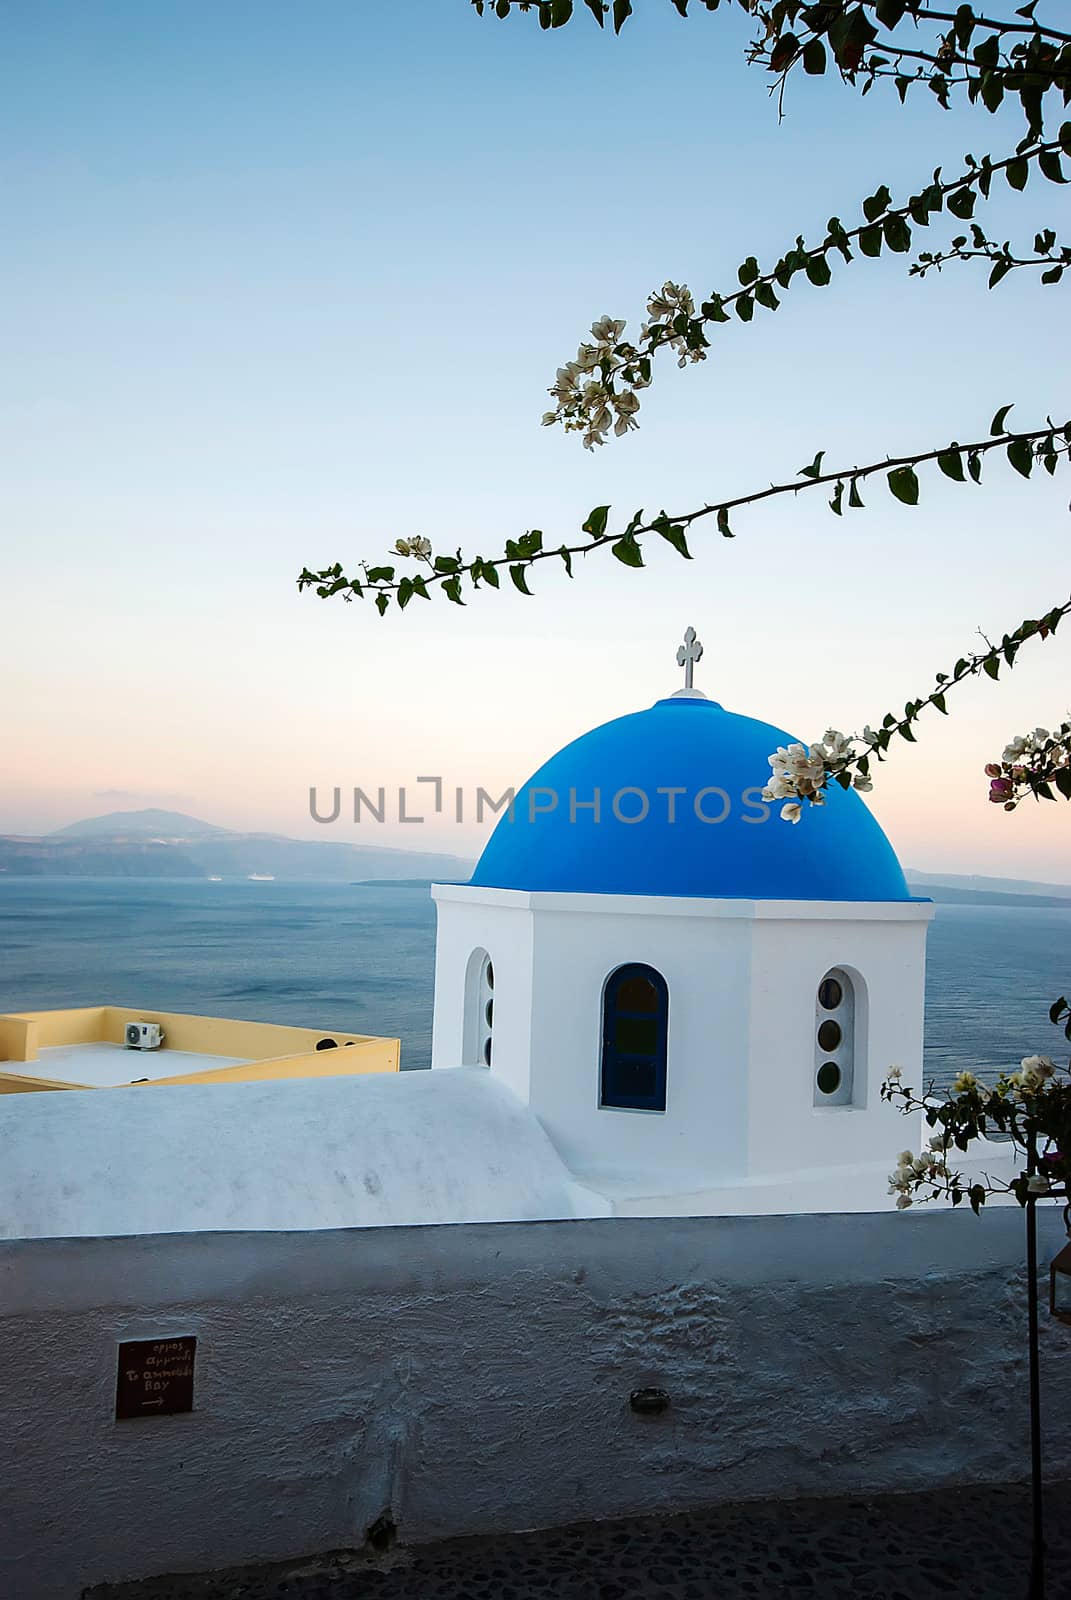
(1037, 1543)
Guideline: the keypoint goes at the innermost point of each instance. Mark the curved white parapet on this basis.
(419, 1147)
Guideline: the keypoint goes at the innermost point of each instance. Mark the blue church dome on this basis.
(678, 812)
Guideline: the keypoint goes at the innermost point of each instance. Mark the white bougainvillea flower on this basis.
(607, 330)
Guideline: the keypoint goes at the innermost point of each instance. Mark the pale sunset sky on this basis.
(283, 283)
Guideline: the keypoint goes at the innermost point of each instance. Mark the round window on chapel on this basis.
(829, 1077)
(830, 994)
(829, 1034)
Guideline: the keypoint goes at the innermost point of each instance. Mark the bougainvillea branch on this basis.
(599, 390)
(1049, 255)
(447, 574)
(801, 774)
(1031, 1107)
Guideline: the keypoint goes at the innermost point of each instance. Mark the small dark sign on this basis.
(155, 1377)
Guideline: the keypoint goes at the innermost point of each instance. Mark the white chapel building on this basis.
(698, 1001)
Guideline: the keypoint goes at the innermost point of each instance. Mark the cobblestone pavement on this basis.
(970, 1543)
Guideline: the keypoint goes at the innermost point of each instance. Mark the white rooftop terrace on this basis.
(103, 1065)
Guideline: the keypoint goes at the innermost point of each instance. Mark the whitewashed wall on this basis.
(476, 1378)
(742, 978)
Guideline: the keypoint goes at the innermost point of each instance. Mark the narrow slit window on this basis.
(834, 1040)
(479, 1009)
(635, 1030)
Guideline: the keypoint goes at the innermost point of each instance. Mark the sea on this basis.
(360, 958)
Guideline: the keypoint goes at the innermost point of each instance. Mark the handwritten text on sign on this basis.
(155, 1377)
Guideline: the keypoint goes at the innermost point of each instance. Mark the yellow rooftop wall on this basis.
(267, 1049)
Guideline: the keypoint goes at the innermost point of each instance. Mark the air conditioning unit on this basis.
(143, 1036)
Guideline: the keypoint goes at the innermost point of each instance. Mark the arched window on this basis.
(834, 1040)
(479, 1010)
(635, 1027)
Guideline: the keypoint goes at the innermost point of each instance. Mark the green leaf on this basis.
(749, 271)
(628, 551)
(905, 733)
(818, 272)
(854, 497)
(489, 574)
(596, 522)
(890, 12)
(838, 496)
(567, 559)
(991, 666)
(1017, 173)
(951, 464)
(784, 52)
(870, 241)
(673, 533)
(622, 12)
(939, 701)
(987, 54)
(897, 234)
(1049, 162)
(382, 602)
(905, 485)
(997, 425)
(765, 296)
(1021, 456)
(745, 308)
(814, 58)
(876, 203)
(974, 466)
(380, 575)
(723, 523)
(452, 590)
(713, 310)
(560, 12)
(520, 581)
(405, 592)
(961, 203)
(446, 563)
(815, 468)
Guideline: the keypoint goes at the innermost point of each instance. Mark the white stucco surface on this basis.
(101, 1065)
(378, 1150)
(476, 1379)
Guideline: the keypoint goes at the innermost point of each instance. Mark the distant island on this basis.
(168, 844)
(957, 889)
